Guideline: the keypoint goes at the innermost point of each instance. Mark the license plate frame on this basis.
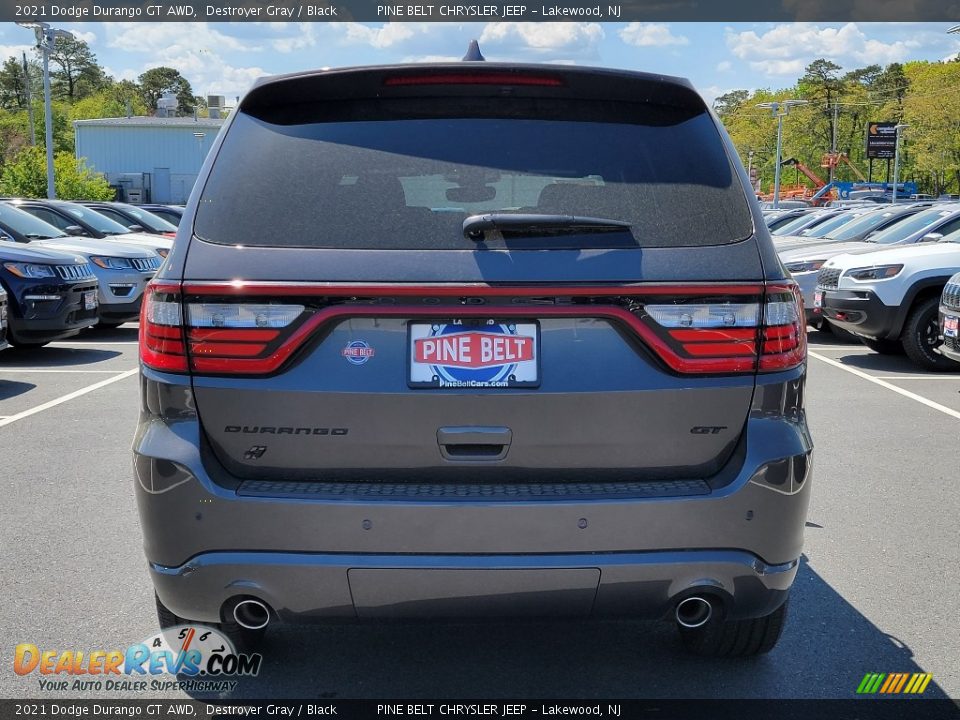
(818, 299)
(524, 372)
(89, 299)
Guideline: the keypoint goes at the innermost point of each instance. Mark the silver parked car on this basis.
(475, 361)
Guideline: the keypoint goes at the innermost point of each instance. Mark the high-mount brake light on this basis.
(472, 78)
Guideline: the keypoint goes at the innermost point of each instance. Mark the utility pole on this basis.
(896, 158)
(833, 143)
(46, 42)
(780, 110)
(26, 88)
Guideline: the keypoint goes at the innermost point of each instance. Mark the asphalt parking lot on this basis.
(877, 589)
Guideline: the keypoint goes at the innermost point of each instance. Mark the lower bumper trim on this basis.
(326, 587)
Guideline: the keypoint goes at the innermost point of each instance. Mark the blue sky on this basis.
(224, 58)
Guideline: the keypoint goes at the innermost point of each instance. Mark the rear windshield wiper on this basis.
(475, 226)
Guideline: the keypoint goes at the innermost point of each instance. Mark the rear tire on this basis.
(166, 617)
(921, 334)
(735, 638)
(884, 347)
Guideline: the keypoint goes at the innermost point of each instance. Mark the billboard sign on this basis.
(881, 140)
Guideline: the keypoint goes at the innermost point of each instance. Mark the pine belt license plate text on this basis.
(90, 300)
(474, 353)
(950, 324)
(818, 299)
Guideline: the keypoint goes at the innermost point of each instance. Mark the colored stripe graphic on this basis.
(894, 683)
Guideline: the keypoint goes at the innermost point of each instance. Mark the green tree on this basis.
(26, 176)
(158, 81)
(115, 100)
(13, 88)
(75, 71)
(730, 102)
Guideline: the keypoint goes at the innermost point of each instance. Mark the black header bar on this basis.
(464, 10)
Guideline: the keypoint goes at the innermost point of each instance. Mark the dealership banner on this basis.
(424, 709)
(460, 11)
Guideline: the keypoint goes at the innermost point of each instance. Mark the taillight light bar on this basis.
(704, 329)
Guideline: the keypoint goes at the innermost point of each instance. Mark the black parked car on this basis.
(171, 213)
(75, 219)
(51, 295)
(3, 319)
(134, 218)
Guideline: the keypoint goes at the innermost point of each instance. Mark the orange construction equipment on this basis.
(832, 160)
(814, 178)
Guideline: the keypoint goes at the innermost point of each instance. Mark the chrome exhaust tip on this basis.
(251, 614)
(694, 612)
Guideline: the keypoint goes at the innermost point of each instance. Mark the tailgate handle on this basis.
(474, 443)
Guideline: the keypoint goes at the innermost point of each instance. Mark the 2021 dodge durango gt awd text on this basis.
(515, 342)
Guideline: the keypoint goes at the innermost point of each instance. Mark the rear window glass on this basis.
(409, 183)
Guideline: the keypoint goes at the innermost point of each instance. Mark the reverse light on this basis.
(705, 316)
(30, 270)
(805, 266)
(878, 272)
(232, 315)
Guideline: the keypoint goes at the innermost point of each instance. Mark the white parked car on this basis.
(890, 299)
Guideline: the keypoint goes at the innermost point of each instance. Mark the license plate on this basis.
(950, 323)
(474, 353)
(90, 300)
(818, 299)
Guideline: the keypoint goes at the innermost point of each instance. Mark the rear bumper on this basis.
(303, 587)
(319, 556)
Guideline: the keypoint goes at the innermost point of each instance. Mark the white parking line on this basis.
(917, 377)
(65, 398)
(92, 343)
(30, 371)
(877, 381)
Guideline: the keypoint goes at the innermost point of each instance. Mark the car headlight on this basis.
(805, 266)
(111, 263)
(30, 270)
(878, 272)
(162, 252)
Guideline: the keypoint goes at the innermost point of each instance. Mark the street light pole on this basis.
(46, 42)
(896, 158)
(750, 167)
(780, 110)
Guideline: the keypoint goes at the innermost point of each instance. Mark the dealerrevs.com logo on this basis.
(199, 657)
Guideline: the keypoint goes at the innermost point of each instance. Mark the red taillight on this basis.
(784, 338)
(252, 329)
(169, 234)
(473, 78)
(161, 328)
(214, 337)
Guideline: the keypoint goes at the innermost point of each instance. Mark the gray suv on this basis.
(474, 339)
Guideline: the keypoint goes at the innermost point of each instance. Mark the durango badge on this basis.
(358, 352)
